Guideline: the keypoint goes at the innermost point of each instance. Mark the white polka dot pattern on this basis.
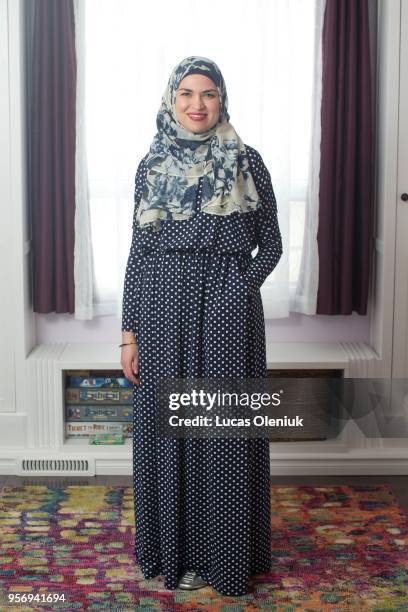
(191, 295)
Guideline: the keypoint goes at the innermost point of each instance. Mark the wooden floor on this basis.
(399, 484)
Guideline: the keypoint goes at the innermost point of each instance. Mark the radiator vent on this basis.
(64, 467)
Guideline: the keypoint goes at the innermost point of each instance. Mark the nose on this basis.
(197, 103)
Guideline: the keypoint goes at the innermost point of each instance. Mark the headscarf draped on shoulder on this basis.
(178, 158)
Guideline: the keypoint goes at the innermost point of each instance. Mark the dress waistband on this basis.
(160, 253)
(193, 251)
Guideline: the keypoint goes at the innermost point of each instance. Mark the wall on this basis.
(296, 328)
(18, 423)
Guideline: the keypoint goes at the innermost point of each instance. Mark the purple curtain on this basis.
(346, 172)
(52, 76)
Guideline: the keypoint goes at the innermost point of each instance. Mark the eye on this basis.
(208, 94)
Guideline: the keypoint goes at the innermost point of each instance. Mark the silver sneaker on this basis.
(190, 580)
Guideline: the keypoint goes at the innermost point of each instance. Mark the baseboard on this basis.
(358, 463)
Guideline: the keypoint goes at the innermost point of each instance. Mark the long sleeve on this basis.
(132, 274)
(268, 232)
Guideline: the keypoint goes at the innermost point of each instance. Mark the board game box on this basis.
(90, 412)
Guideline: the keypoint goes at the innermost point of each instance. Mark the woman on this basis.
(192, 308)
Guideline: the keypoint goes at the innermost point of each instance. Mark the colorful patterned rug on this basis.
(334, 548)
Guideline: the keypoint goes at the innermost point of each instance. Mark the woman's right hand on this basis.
(129, 361)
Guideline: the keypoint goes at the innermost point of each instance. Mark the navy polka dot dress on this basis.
(191, 296)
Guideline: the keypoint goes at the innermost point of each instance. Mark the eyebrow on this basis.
(204, 91)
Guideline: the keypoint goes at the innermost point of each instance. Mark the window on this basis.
(265, 50)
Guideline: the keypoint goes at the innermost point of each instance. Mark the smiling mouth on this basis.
(196, 116)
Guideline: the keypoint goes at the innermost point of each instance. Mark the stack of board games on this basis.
(98, 402)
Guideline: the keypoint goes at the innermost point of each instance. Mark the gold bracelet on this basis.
(126, 343)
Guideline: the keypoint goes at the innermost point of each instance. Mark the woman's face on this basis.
(197, 103)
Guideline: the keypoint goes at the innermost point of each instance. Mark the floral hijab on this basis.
(178, 158)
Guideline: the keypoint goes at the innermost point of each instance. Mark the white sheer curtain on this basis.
(83, 262)
(268, 51)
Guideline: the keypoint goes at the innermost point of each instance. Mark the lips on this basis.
(197, 116)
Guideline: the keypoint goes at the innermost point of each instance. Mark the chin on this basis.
(200, 128)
